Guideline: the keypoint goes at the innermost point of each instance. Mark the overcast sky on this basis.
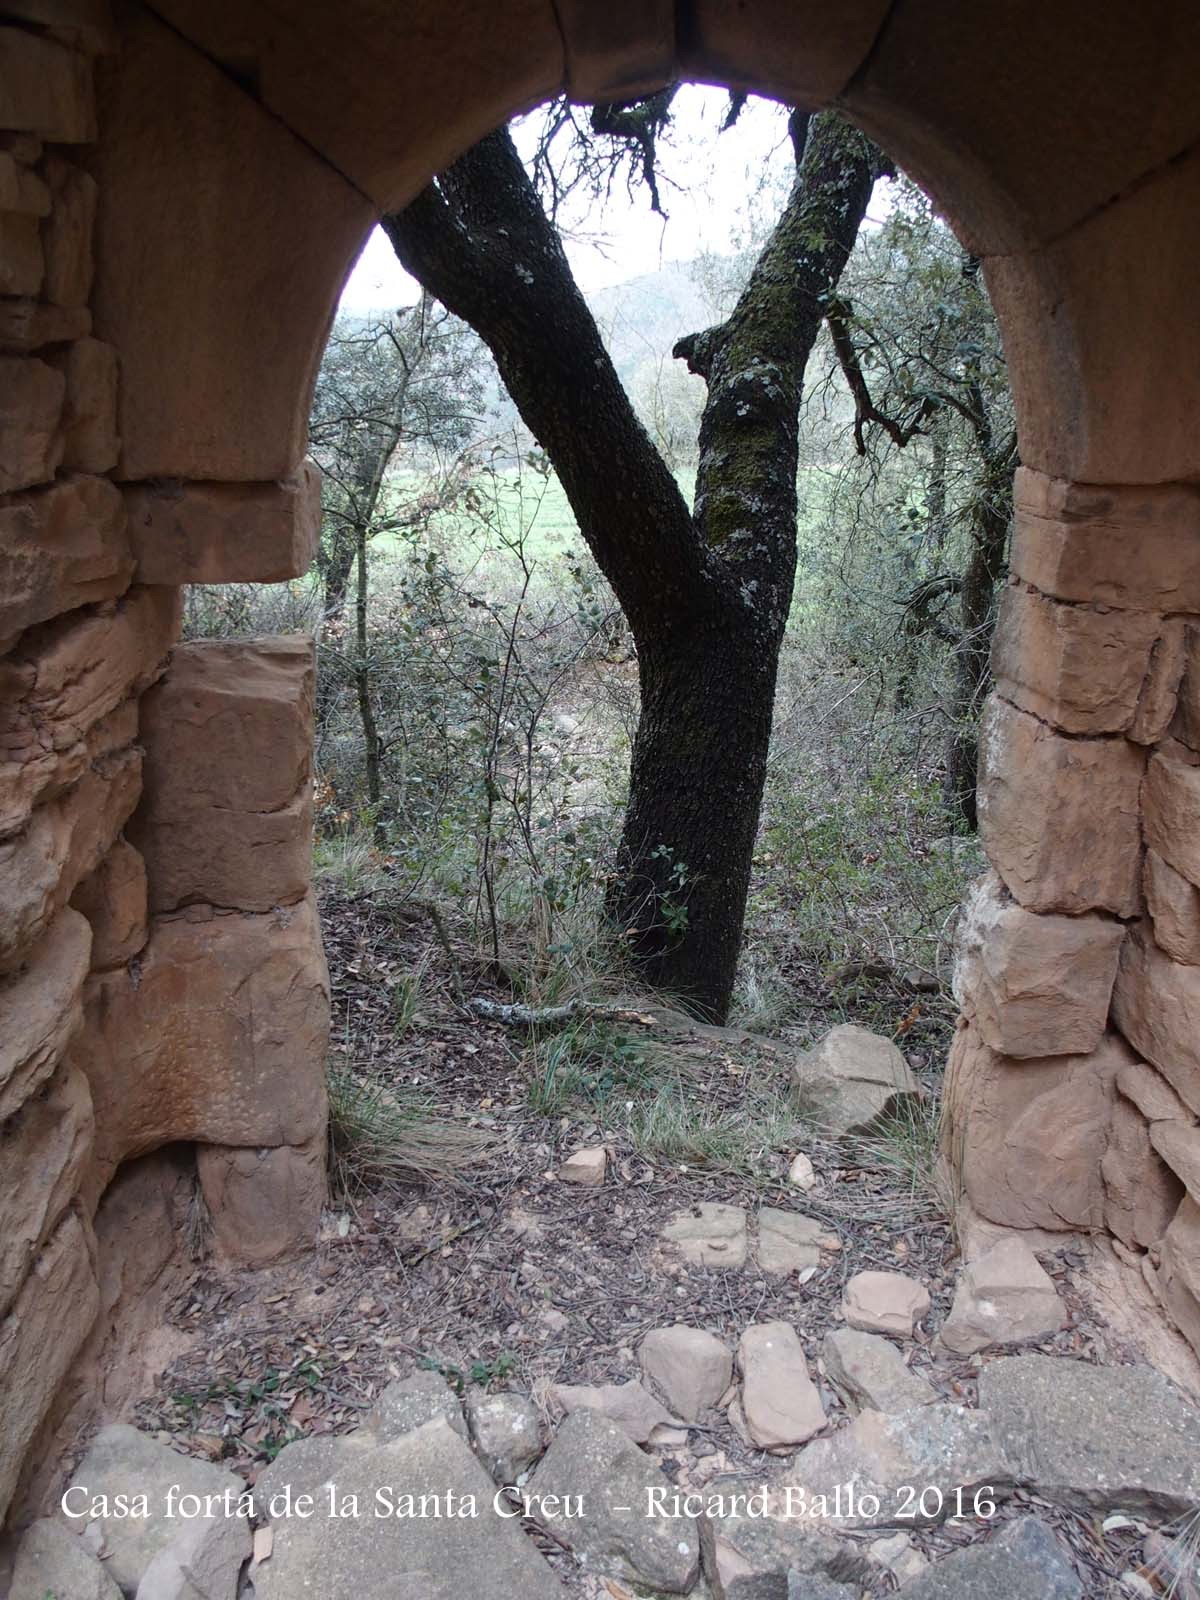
(715, 176)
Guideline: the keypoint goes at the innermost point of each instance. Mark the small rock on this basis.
(595, 1463)
(869, 1372)
(52, 1560)
(585, 1167)
(899, 1557)
(885, 1302)
(780, 1402)
(852, 1081)
(412, 1402)
(1005, 1295)
(801, 1173)
(691, 1369)
(750, 1547)
(1022, 1562)
(787, 1242)
(630, 1405)
(506, 1433)
(202, 1562)
(709, 1234)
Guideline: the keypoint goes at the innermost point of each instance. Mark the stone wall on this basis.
(161, 973)
(1074, 1087)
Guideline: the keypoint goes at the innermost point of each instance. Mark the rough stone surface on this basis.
(32, 395)
(225, 532)
(787, 1241)
(68, 234)
(28, 325)
(90, 442)
(1060, 818)
(852, 1080)
(1179, 1146)
(202, 1562)
(1079, 667)
(1142, 1194)
(1156, 1005)
(61, 547)
(1024, 1561)
(709, 1234)
(47, 88)
(220, 1038)
(870, 1373)
(1055, 1420)
(53, 1561)
(506, 1433)
(690, 1368)
(1159, 698)
(899, 1556)
(405, 1558)
(1036, 985)
(226, 817)
(749, 1557)
(885, 1302)
(1003, 1296)
(22, 263)
(801, 1174)
(591, 1457)
(780, 1402)
(41, 1009)
(1171, 813)
(585, 1168)
(264, 1204)
(410, 1403)
(1179, 1276)
(629, 1405)
(122, 1461)
(1174, 906)
(113, 899)
(1151, 1093)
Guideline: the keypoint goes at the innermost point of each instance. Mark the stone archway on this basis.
(184, 187)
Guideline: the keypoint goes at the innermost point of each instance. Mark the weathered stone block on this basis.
(1160, 693)
(90, 416)
(1171, 811)
(41, 1009)
(226, 532)
(1026, 1138)
(1079, 667)
(1179, 1275)
(221, 1037)
(21, 260)
(1156, 1005)
(20, 189)
(1036, 985)
(227, 814)
(45, 88)
(113, 899)
(60, 548)
(1174, 906)
(1059, 817)
(1134, 546)
(1178, 1143)
(265, 1204)
(27, 325)
(1141, 1193)
(67, 234)
(31, 405)
(1150, 1092)
(39, 1338)
(44, 1148)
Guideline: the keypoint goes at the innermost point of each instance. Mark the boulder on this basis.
(506, 1433)
(885, 1302)
(870, 1374)
(60, 548)
(41, 1009)
(1022, 1561)
(1055, 1420)
(264, 1204)
(1004, 1296)
(1156, 1005)
(629, 1405)
(1035, 985)
(1171, 811)
(226, 817)
(780, 1402)
(749, 1549)
(787, 1241)
(709, 1234)
(620, 1529)
(851, 1081)
(585, 1168)
(691, 1369)
(113, 899)
(410, 1403)
(53, 1561)
(1058, 817)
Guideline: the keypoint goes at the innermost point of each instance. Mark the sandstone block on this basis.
(1159, 698)
(113, 899)
(1059, 818)
(506, 1433)
(585, 1167)
(60, 548)
(90, 416)
(1023, 1560)
(780, 1402)
(1156, 1005)
(1174, 906)
(1003, 1296)
(49, 1321)
(1151, 1093)
(41, 1009)
(227, 814)
(265, 1204)
(22, 263)
(755, 1549)
(870, 1373)
(1178, 1143)
(410, 1403)
(67, 234)
(52, 1560)
(27, 325)
(1179, 1275)
(787, 1241)
(1131, 546)
(45, 88)
(1171, 813)
(885, 1302)
(226, 532)
(630, 1406)
(20, 189)
(1036, 985)
(203, 1561)
(709, 1235)
(1079, 667)
(1187, 724)
(46, 1145)
(1026, 1138)
(31, 404)
(851, 1081)
(1142, 1194)
(690, 1368)
(220, 1039)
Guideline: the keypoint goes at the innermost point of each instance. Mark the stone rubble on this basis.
(1004, 1296)
(870, 1373)
(691, 1369)
(885, 1302)
(779, 1400)
(586, 1167)
(851, 1081)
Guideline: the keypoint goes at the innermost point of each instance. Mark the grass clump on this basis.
(381, 1137)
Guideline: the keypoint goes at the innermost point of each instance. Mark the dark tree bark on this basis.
(706, 595)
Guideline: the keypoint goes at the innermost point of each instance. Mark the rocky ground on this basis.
(585, 1317)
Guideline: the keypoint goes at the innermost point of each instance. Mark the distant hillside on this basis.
(643, 317)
